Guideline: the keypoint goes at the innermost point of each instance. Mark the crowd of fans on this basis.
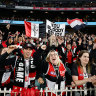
(53, 61)
(59, 18)
(71, 52)
(88, 16)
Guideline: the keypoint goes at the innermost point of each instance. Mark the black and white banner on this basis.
(57, 29)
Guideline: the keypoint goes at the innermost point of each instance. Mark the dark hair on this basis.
(28, 45)
(79, 62)
(68, 43)
(1, 50)
(79, 55)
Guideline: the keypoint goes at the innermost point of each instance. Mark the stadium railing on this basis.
(67, 91)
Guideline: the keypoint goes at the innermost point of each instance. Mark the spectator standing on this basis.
(25, 66)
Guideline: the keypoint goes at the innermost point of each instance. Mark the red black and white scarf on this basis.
(19, 79)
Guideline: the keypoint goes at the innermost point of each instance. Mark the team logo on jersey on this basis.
(53, 73)
(62, 73)
(81, 74)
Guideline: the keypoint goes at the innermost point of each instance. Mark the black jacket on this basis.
(44, 67)
(11, 61)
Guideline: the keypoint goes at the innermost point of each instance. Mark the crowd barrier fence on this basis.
(68, 90)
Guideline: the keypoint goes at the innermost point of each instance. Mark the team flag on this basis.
(76, 23)
(31, 29)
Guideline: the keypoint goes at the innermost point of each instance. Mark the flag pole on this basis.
(80, 32)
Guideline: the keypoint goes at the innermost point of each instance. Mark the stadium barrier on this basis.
(45, 92)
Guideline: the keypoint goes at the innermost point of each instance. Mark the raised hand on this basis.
(43, 47)
(11, 48)
(40, 80)
(60, 40)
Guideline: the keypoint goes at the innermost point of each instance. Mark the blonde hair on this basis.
(48, 57)
(50, 40)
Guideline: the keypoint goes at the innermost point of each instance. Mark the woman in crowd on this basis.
(81, 69)
(54, 71)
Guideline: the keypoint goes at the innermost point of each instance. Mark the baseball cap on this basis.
(27, 45)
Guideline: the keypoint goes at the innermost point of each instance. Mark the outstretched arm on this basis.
(3, 60)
